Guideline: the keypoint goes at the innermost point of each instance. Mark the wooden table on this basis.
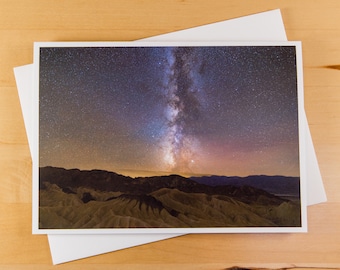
(316, 23)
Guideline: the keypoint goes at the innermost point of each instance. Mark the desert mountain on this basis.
(280, 185)
(102, 199)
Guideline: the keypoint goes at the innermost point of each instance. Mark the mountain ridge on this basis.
(246, 187)
(275, 184)
(72, 198)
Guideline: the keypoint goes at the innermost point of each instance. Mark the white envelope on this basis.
(266, 26)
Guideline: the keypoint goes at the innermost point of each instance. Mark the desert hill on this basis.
(102, 199)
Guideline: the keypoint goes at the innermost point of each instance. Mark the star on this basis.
(227, 110)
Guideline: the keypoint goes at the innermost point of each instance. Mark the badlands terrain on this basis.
(75, 199)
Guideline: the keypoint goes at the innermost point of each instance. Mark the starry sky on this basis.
(193, 110)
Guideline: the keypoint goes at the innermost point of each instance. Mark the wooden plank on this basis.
(315, 23)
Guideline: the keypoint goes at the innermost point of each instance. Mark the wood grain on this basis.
(315, 23)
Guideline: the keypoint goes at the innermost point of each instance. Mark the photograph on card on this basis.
(200, 137)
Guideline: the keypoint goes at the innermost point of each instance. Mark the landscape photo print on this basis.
(168, 137)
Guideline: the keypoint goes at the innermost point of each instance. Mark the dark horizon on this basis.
(149, 174)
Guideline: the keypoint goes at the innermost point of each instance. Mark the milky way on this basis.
(183, 108)
(227, 110)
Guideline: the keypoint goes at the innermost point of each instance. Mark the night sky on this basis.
(225, 110)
